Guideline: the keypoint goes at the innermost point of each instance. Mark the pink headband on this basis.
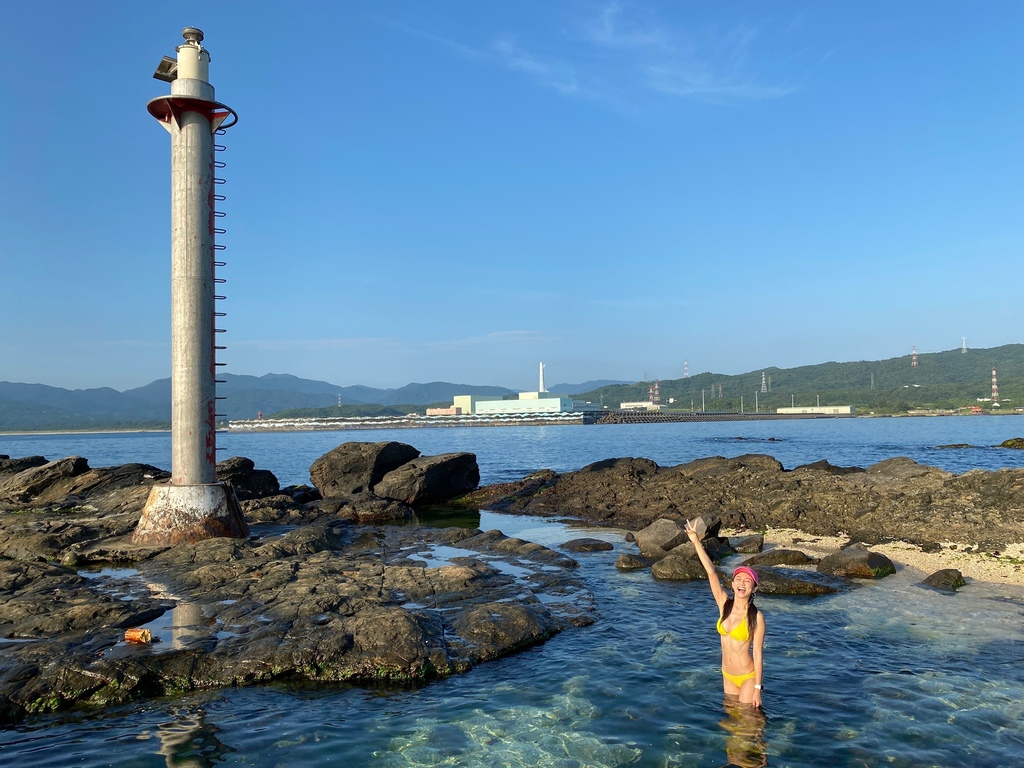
(747, 570)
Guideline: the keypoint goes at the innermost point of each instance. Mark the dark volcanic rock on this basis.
(677, 568)
(587, 545)
(780, 557)
(23, 486)
(896, 499)
(627, 562)
(429, 479)
(857, 562)
(748, 545)
(365, 507)
(247, 481)
(9, 466)
(659, 537)
(354, 468)
(784, 581)
(949, 579)
(328, 601)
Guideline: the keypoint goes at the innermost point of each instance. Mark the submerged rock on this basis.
(587, 545)
(780, 557)
(784, 581)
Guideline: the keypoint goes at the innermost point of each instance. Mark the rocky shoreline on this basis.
(894, 500)
(337, 585)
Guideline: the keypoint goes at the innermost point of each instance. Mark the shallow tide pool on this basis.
(889, 673)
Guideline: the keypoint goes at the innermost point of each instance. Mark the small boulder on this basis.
(718, 549)
(748, 545)
(353, 468)
(660, 536)
(247, 481)
(587, 545)
(430, 479)
(857, 562)
(780, 557)
(628, 562)
(949, 579)
(676, 568)
(782, 581)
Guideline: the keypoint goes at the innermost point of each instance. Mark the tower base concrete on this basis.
(190, 513)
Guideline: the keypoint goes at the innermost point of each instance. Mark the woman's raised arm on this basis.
(705, 560)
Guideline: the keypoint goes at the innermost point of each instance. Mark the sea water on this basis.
(889, 673)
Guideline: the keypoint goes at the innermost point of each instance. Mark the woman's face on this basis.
(743, 585)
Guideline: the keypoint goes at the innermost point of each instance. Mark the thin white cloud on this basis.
(621, 54)
(689, 81)
(610, 27)
(552, 74)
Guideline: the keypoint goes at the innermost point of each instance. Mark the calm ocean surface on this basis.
(887, 674)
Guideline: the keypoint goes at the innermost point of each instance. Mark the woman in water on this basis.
(741, 626)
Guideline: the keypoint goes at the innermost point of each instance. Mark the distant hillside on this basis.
(586, 386)
(32, 407)
(950, 379)
(940, 380)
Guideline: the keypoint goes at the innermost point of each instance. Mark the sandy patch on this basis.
(1005, 568)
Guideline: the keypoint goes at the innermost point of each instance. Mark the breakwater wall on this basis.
(416, 421)
(661, 417)
(413, 420)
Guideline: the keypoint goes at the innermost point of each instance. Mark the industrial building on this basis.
(820, 410)
(524, 403)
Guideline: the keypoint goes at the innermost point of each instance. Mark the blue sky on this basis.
(458, 190)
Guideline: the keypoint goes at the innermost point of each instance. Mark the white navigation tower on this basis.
(193, 505)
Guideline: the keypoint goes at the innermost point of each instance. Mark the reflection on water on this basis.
(189, 741)
(888, 673)
(744, 745)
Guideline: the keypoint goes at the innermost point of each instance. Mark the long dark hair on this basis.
(751, 613)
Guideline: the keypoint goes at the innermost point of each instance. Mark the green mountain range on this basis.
(940, 380)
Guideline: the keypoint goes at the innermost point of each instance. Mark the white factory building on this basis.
(525, 402)
(819, 410)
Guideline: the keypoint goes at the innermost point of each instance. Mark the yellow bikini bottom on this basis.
(739, 680)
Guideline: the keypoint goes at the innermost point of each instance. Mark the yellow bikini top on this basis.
(740, 632)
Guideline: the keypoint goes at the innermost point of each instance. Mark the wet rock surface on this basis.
(326, 590)
(329, 601)
(313, 595)
(896, 499)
